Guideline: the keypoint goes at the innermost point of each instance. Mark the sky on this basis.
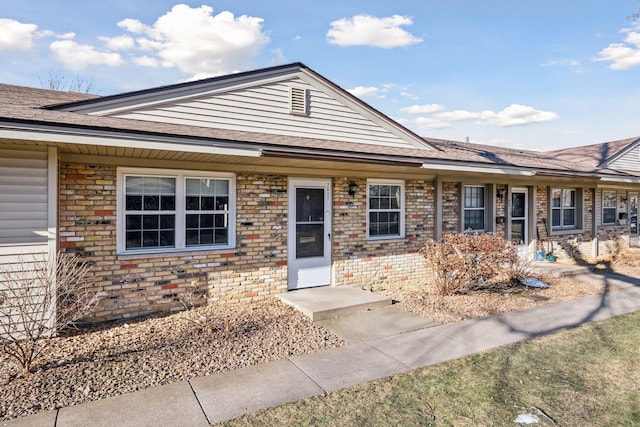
(534, 74)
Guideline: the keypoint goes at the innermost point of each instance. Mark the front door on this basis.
(309, 248)
(519, 210)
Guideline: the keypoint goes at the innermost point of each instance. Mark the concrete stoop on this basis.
(327, 302)
(560, 270)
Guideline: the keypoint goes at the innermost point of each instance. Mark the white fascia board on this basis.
(479, 169)
(106, 139)
(620, 180)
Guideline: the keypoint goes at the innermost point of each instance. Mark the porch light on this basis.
(353, 187)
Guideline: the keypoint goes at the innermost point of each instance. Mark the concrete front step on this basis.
(326, 302)
(560, 270)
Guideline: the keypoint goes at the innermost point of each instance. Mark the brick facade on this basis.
(360, 262)
(133, 285)
(137, 284)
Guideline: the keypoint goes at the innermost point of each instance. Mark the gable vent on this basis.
(298, 101)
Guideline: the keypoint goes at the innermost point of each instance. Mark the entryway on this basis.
(519, 219)
(309, 242)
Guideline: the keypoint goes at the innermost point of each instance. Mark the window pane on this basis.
(151, 203)
(168, 203)
(192, 237)
(192, 203)
(221, 187)
(206, 221)
(206, 237)
(569, 217)
(221, 236)
(134, 239)
(309, 204)
(134, 203)
(150, 222)
(134, 222)
(569, 198)
(609, 199)
(192, 221)
(555, 218)
(473, 197)
(474, 220)
(167, 186)
(206, 203)
(556, 195)
(222, 203)
(134, 184)
(608, 216)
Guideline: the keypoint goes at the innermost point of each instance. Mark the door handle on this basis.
(329, 234)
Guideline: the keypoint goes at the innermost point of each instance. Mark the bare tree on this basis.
(38, 296)
(56, 80)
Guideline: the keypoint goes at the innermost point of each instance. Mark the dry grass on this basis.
(427, 302)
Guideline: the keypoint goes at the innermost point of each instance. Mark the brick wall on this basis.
(362, 263)
(134, 285)
(451, 207)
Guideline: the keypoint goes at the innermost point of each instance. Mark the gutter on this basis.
(480, 169)
(303, 154)
(84, 136)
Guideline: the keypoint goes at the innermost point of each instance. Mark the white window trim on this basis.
(180, 209)
(484, 208)
(400, 183)
(579, 203)
(615, 208)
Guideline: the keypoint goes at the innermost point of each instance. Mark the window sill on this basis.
(173, 253)
(387, 239)
(563, 231)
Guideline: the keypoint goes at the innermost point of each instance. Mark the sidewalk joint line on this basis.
(199, 404)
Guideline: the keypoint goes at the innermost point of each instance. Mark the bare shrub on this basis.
(38, 296)
(461, 262)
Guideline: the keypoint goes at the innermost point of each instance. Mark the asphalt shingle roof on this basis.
(27, 105)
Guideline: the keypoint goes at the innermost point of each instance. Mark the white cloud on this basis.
(198, 42)
(77, 56)
(278, 56)
(146, 61)
(367, 30)
(433, 116)
(119, 43)
(623, 56)
(431, 123)
(363, 91)
(423, 109)
(572, 64)
(15, 35)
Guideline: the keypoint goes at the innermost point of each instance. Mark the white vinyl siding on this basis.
(23, 197)
(266, 109)
(629, 161)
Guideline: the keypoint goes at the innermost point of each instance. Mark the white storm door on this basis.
(519, 219)
(309, 242)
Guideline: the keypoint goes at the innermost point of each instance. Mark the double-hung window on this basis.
(474, 208)
(609, 207)
(385, 209)
(175, 210)
(563, 208)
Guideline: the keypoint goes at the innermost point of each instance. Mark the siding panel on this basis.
(265, 109)
(629, 162)
(23, 196)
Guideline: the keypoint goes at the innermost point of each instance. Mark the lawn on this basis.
(579, 377)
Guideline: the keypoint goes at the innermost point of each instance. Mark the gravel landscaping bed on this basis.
(119, 357)
(480, 303)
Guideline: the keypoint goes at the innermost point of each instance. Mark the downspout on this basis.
(595, 242)
(437, 215)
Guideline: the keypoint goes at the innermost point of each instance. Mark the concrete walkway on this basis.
(382, 342)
